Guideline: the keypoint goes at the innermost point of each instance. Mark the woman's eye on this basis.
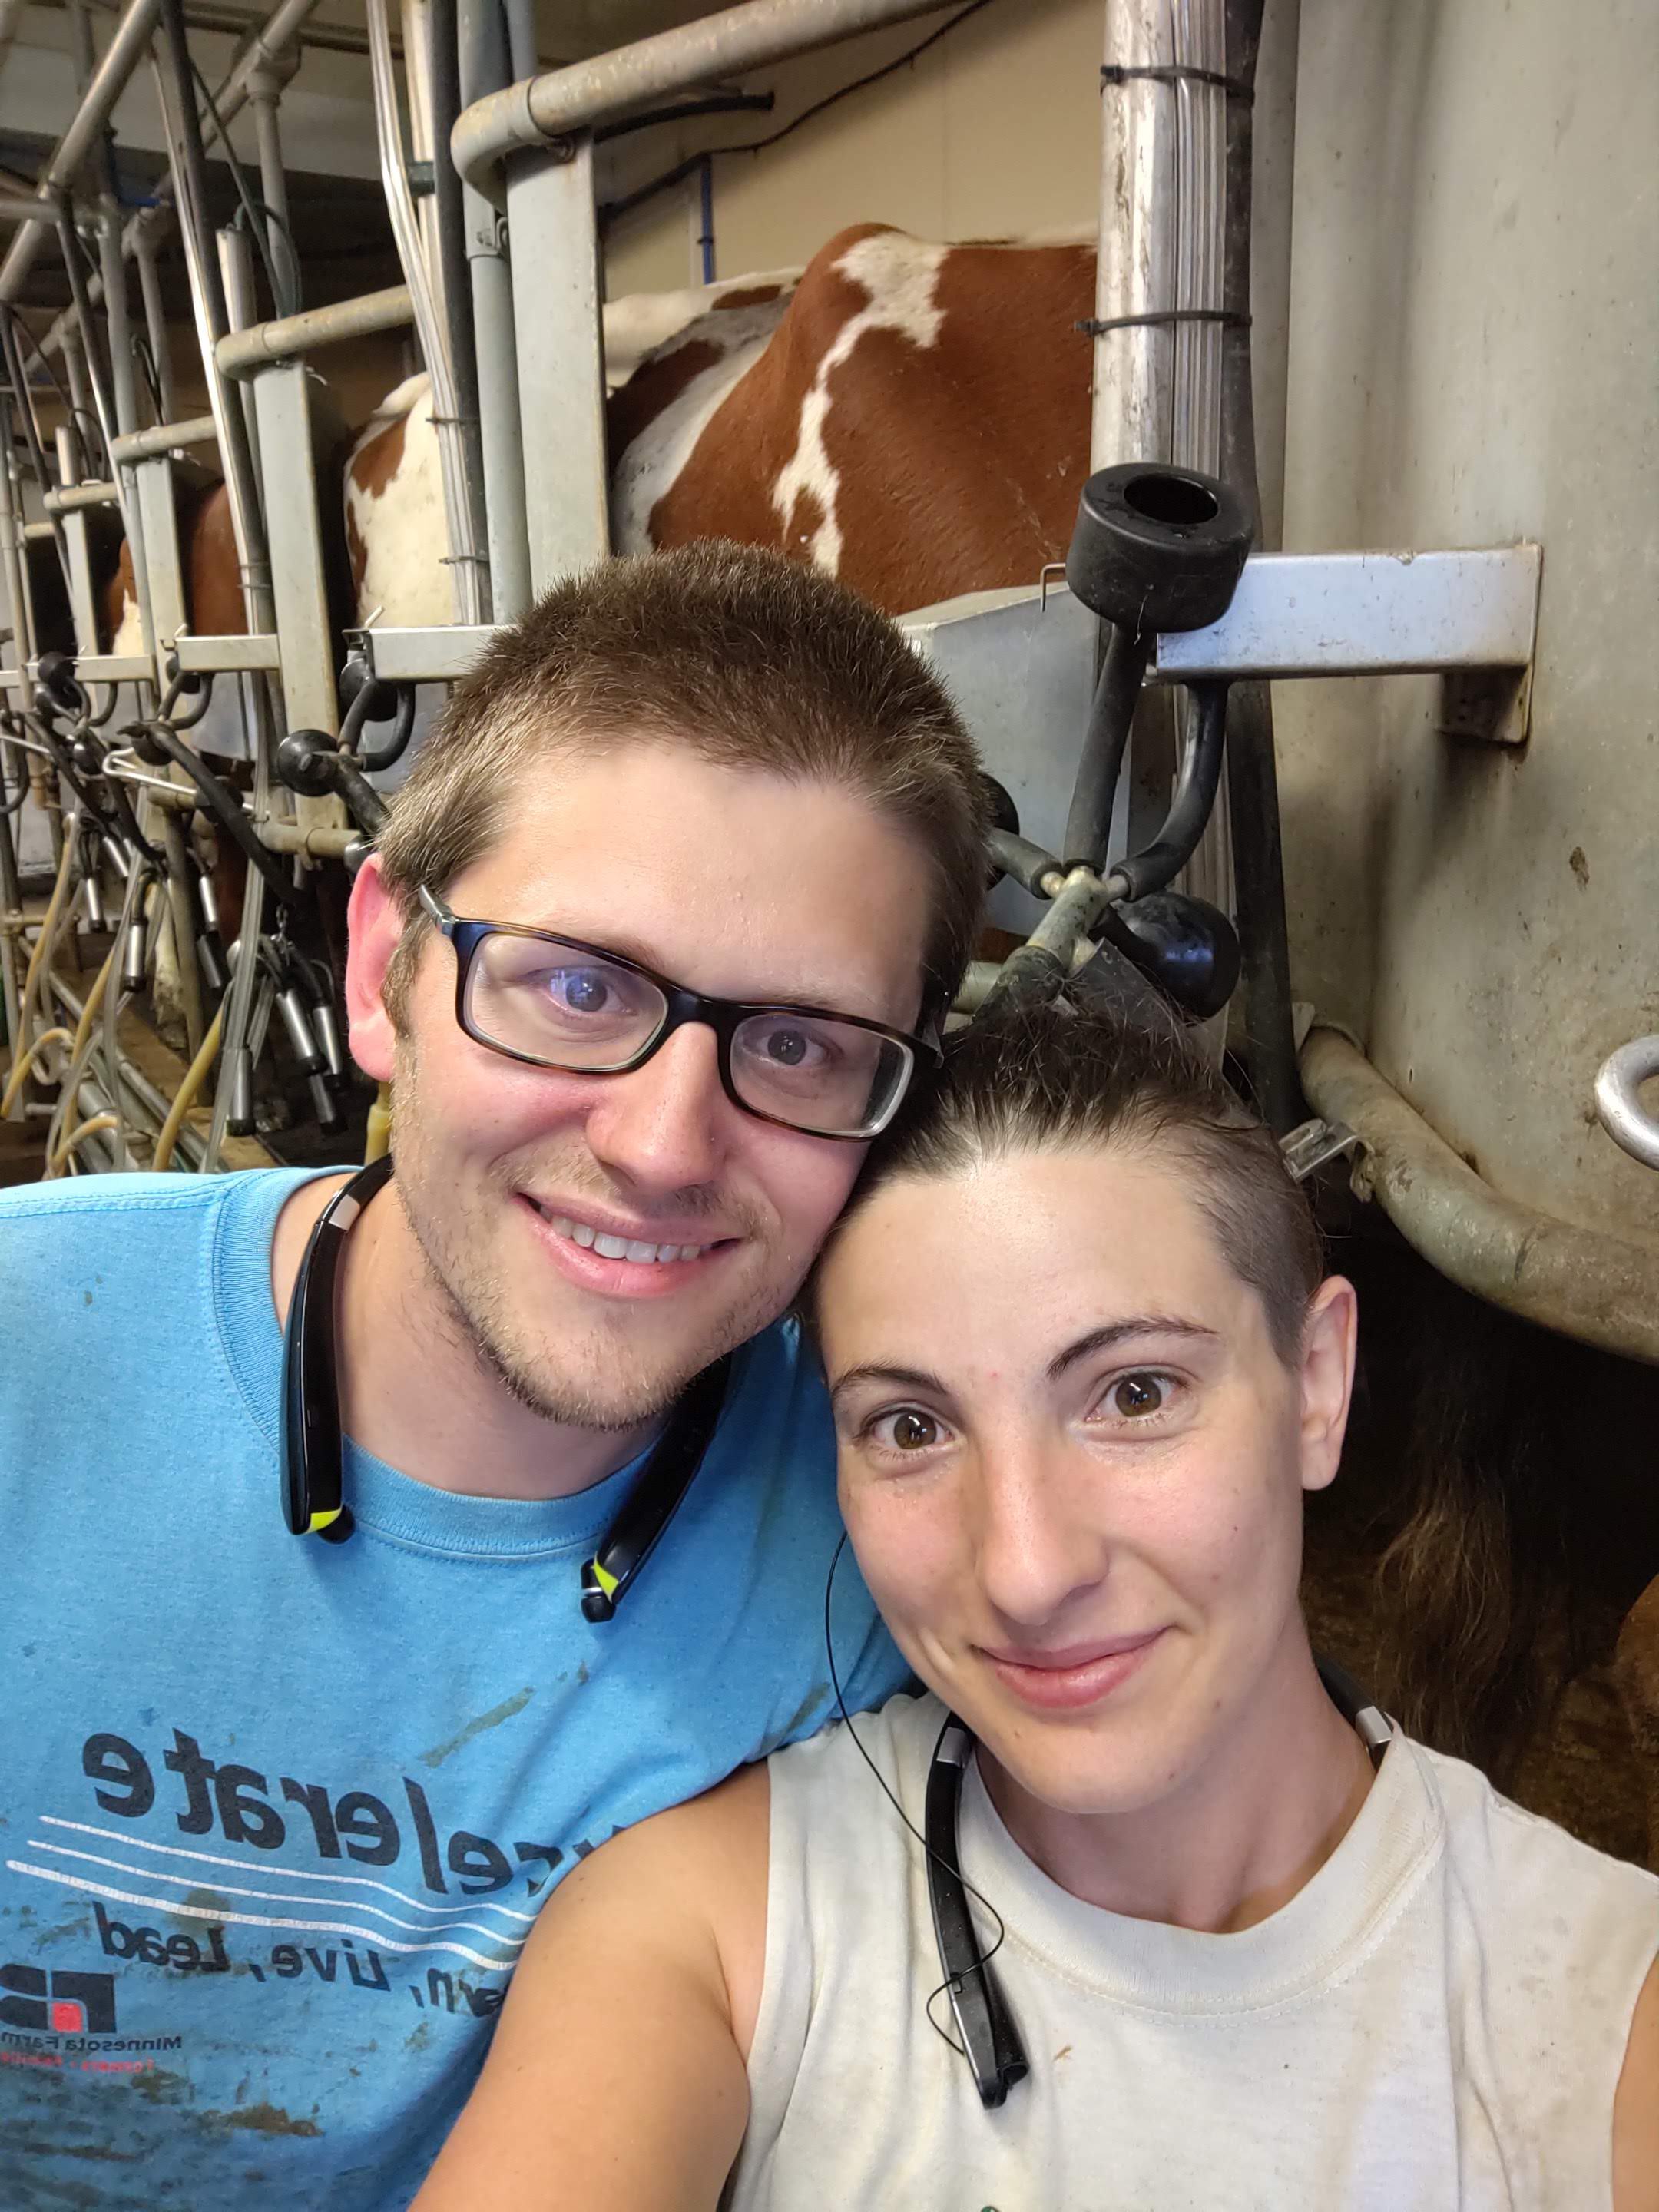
(1135, 1396)
(906, 1431)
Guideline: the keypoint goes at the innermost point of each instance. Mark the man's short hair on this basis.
(730, 653)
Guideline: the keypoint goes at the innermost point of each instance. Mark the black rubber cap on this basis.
(304, 762)
(1157, 548)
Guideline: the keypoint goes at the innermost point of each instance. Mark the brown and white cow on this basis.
(394, 508)
(911, 416)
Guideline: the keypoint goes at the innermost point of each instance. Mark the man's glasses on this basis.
(556, 1002)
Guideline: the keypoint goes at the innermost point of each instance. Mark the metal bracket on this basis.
(438, 655)
(107, 668)
(1368, 614)
(1310, 1144)
(227, 656)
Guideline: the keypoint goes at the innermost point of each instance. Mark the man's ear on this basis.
(1328, 1340)
(375, 923)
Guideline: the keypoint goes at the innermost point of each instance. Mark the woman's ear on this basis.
(375, 923)
(1329, 1337)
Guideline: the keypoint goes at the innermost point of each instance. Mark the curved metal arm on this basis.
(1618, 1106)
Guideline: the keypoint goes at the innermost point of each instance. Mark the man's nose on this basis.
(1036, 1550)
(665, 1126)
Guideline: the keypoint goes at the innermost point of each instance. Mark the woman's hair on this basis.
(1054, 1078)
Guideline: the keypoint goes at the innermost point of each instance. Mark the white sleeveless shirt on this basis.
(1439, 2018)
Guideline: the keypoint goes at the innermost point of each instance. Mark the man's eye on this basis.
(787, 1047)
(579, 990)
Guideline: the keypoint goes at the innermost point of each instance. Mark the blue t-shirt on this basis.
(276, 1816)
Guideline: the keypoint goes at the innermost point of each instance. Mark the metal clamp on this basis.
(1310, 1144)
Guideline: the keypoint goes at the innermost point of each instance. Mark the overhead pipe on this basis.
(146, 227)
(1580, 1282)
(539, 111)
(122, 57)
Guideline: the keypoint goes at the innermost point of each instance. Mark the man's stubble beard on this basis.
(474, 1313)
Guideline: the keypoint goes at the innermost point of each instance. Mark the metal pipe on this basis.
(72, 497)
(124, 52)
(540, 110)
(1579, 1282)
(189, 161)
(463, 553)
(449, 229)
(181, 912)
(164, 438)
(25, 207)
(149, 223)
(156, 323)
(1619, 1105)
(243, 351)
(264, 90)
(482, 44)
(235, 251)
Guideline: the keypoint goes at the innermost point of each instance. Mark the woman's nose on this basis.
(1036, 1550)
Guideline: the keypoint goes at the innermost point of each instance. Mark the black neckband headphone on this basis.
(313, 1444)
(990, 2040)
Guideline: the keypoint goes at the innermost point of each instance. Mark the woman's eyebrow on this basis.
(1113, 1334)
(905, 1378)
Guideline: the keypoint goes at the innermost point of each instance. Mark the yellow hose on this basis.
(185, 1096)
(48, 922)
(14, 1083)
(378, 1141)
(88, 1128)
(94, 999)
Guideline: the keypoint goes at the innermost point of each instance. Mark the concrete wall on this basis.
(1474, 325)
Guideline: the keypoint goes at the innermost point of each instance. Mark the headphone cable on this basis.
(983, 1958)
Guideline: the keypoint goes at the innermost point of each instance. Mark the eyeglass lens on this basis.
(572, 1010)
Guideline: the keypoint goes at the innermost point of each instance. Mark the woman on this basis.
(1244, 1949)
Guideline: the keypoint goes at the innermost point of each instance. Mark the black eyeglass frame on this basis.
(682, 1004)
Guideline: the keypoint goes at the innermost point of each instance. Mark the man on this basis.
(279, 1812)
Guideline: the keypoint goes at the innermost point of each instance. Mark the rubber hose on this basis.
(1089, 818)
(184, 1097)
(1157, 863)
(88, 1128)
(24, 1060)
